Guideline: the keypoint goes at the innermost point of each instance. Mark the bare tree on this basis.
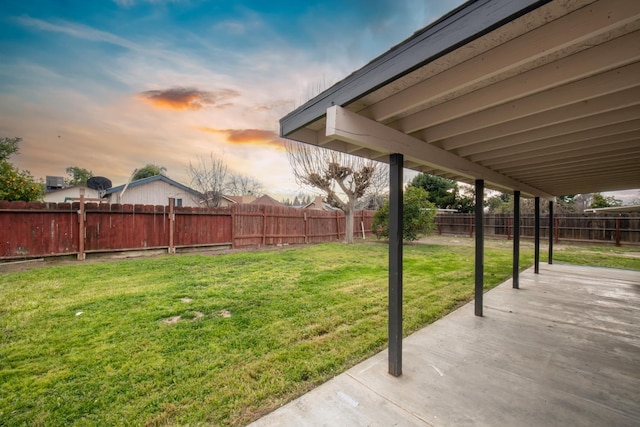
(378, 191)
(242, 185)
(208, 177)
(343, 178)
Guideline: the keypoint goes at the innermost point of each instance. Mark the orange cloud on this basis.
(180, 98)
(248, 136)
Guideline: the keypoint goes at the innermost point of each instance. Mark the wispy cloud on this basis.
(248, 136)
(77, 30)
(180, 98)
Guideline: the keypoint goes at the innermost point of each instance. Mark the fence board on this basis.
(201, 226)
(37, 229)
(48, 229)
(621, 228)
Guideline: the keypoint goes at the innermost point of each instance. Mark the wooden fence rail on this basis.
(618, 229)
(33, 229)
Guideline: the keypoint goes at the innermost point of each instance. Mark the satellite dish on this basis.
(99, 183)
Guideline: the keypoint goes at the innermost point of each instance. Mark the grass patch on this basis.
(627, 258)
(195, 339)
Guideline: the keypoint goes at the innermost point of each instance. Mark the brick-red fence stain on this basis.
(48, 229)
(623, 228)
(121, 227)
(28, 228)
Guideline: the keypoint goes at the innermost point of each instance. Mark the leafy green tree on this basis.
(418, 215)
(8, 146)
(501, 203)
(444, 193)
(149, 170)
(600, 201)
(16, 185)
(465, 203)
(77, 175)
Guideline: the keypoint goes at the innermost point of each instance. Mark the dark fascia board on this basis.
(460, 26)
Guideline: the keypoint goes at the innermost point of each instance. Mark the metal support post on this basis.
(395, 264)
(479, 279)
(536, 250)
(551, 232)
(516, 240)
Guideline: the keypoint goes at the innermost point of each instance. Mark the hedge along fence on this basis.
(33, 229)
(619, 229)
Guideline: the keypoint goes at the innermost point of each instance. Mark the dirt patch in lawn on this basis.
(172, 320)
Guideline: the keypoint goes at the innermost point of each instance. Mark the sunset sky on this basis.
(113, 85)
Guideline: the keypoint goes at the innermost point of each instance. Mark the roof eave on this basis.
(462, 25)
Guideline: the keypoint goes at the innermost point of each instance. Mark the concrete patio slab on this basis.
(564, 350)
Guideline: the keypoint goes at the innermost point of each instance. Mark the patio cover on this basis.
(542, 97)
(538, 98)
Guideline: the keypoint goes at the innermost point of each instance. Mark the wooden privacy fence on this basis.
(33, 229)
(614, 228)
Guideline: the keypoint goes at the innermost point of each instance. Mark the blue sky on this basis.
(112, 85)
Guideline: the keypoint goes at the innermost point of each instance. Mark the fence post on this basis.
(471, 219)
(306, 228)
(82, 232)
(338, 223)
(233, 226)
(172, 224)
(617, 231)
(264, 225)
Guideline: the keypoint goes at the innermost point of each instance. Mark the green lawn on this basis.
(102, 343)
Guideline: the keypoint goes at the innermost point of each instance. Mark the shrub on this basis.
(418, 216)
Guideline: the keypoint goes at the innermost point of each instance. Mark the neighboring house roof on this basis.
(318, 204)
(153, 179)
(615, 209)
(266, 200)
(71, 193)
(241, 199)
(56, 190)
(234, 199)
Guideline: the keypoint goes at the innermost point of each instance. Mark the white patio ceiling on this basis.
(537, 96)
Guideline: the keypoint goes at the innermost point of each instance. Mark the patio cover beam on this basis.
(347, 126)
